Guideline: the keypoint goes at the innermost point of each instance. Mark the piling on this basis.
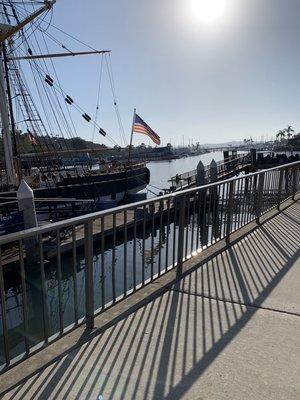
(213, 173)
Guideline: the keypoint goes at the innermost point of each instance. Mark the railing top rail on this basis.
(12, 237)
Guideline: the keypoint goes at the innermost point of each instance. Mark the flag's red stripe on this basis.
(139, 128)
(155, 140)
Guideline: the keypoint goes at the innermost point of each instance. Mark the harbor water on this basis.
(162, 171)
(112, 262)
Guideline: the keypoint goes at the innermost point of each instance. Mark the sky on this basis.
(190, 79)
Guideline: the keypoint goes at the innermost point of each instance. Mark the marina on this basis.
(140, 242)
(149, 205)
(141, 217)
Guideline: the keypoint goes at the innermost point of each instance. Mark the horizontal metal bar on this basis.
(56, 55)
(85, 218)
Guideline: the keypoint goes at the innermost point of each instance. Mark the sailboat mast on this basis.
(6, 31)
(7, 138)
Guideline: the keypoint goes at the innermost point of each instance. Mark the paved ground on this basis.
(229, 330)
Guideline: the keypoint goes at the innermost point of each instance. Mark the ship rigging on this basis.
(37, 112)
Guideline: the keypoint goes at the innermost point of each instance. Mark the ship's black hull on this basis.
(98, 185)
(109, 185)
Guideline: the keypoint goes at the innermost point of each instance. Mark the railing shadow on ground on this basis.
(159, 351)
(194, 218)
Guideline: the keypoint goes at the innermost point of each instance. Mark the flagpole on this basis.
(130, 146)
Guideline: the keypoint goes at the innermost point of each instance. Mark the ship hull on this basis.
(111, 185)
(106, 186)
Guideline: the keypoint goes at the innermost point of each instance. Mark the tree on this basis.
(280, 135)
(289, 131)
(248, 141)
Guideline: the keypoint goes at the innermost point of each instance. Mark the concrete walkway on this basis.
(229, 330)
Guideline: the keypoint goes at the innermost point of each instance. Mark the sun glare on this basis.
(208, 10)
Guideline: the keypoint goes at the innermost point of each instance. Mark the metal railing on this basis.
(188, 179)
(51, 283)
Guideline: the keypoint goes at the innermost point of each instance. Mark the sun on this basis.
(208, 10)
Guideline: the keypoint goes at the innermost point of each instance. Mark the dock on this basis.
(220, 170)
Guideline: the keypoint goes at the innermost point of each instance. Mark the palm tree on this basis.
(289, 131)
(281, 135)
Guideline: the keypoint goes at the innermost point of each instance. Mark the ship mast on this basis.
(6, 133)
(10, 152)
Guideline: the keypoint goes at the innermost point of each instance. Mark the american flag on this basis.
(140, 126)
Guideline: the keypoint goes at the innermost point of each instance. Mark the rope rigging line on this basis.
(73, 37)
(63, 93)
(51, 97)
(29, 109)
(111, 80)
(48, 96)
(36, 145)
(18, 85)
(67, 108)
(32, 27)
(22, 2)
(110, 73)
(30, 120)
(67, 34)
(98, 97)
(155, 187)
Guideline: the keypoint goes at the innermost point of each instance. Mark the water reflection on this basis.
(131, 263)
(113, 265)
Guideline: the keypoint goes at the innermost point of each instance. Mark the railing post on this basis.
(280, 188)
(253, 158)
(213, 168)
(180, 244)
(200, 177)
(89, 286)
(295, 174)
(261, 181)
(213, 171)
(4, 315)
(230, 210)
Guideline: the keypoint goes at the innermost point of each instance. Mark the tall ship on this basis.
(39, 116)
